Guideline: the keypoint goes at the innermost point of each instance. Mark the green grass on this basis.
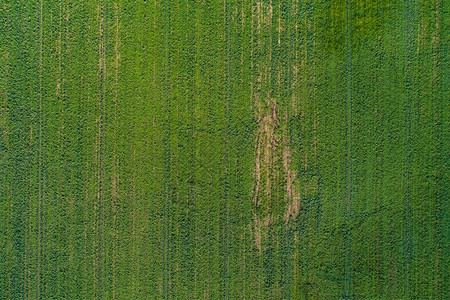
(224, 149)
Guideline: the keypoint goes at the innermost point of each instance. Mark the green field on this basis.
(224, 149)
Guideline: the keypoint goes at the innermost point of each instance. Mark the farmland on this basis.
(178, 149)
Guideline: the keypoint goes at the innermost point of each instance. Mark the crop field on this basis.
(224, 149)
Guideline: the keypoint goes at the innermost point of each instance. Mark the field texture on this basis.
(229, 149)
